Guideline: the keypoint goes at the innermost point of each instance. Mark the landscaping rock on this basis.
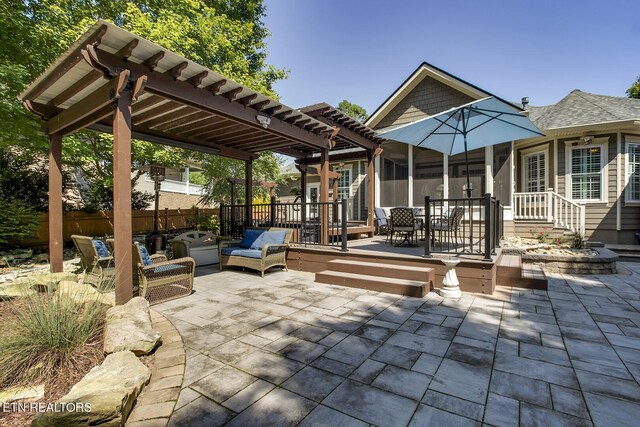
(12, 394)
(109, 389)
(80, 292)
(16, 289)
(47, 281)
(128, 327)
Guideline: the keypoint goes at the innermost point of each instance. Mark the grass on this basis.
(49, 334)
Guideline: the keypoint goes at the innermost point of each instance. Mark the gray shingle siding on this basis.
(427, 98)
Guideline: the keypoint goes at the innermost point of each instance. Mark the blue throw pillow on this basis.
(249, 237)
(269, 238)
(101, 248)
(144, 254)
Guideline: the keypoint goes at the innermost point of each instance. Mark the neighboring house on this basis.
(176, 191)
(584, 173)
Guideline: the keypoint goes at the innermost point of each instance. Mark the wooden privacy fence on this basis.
(100, 224)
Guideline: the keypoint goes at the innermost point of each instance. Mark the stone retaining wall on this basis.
(603, 263)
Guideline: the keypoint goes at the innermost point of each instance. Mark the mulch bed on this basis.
(84, 359)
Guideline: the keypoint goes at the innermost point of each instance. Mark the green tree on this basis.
(353, 110)
(634, 90)
(266, 168)
(224, 35)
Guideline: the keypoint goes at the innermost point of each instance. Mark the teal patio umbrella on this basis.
(477, 124)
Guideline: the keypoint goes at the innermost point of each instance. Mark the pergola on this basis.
(113, 81)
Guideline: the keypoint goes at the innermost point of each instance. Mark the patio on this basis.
(284, 351)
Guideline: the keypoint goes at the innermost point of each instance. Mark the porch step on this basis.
(412, 288)
(512, 272)
(626, 253)
(420, 274)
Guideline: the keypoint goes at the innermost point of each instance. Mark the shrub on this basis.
(206, 222)
(49, 331)
(542, 236)
(577, 240)
(17, 221)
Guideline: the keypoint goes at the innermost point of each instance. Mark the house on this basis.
(178, 190)
(583, 176)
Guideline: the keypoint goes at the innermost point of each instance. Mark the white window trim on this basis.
(535, 150)
(603, 143)
(627, 168)
(349, 168)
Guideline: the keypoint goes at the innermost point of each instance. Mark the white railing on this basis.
(551, 207)
(181, 187)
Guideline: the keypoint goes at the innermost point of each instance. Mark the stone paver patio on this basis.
(284, 350)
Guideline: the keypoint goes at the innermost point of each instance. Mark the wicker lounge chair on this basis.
(158, 279)
(99, 270)
(258, 258)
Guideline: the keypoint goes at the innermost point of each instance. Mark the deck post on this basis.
(487, 227)
(370, 188)
(427, 227)
(248, 186)
(324, 196)
(223, 227)
(122, 230)
(343, 226)
(272, 213)
(56, 219)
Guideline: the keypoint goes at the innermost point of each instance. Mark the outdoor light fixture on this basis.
(264, 121)
(587, 139)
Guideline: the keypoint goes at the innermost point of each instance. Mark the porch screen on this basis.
(633, 169)
(458, 174)
(586, 173)
(394, 172)
(427, 175)
(502, 179)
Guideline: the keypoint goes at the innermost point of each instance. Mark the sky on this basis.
(363, 50)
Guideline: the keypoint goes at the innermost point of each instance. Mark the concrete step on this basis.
(533, 277)
(421, 274)
(412, 288)
(626, 253)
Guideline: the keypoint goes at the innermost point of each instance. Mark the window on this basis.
(344, 184)
(586, 167)
(632, 191)
(535, 171)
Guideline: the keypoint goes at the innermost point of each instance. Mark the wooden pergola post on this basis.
(122, 197)
(248, 186)
(370, 188)
(324, 196)
(56, 219)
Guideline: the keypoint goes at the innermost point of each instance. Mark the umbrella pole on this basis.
(466, 162)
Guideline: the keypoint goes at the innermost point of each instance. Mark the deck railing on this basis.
(549, 206)
(313, 223)
(463, 226)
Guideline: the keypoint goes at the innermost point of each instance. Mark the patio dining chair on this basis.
(383, 223)
(403, 222)
(158, 279)
(448, 223)
(96, 261)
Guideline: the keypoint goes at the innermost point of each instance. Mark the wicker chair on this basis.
(99, 271)
(270, 255)
(162, 279)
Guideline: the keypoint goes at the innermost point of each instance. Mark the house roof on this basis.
(580, 108)
(427, 70)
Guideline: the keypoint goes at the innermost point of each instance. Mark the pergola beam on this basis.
(183, 92)
(93, 102)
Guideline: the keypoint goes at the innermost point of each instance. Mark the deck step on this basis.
(406, 272)
(412, 288)
(512, 272)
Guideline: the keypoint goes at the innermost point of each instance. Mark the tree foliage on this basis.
(634, 90)
(353, 110)
(266, 168)
(18, 220)
(224, 35)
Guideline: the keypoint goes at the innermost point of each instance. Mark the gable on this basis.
(429, 97)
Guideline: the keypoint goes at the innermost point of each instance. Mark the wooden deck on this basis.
(474, 274)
